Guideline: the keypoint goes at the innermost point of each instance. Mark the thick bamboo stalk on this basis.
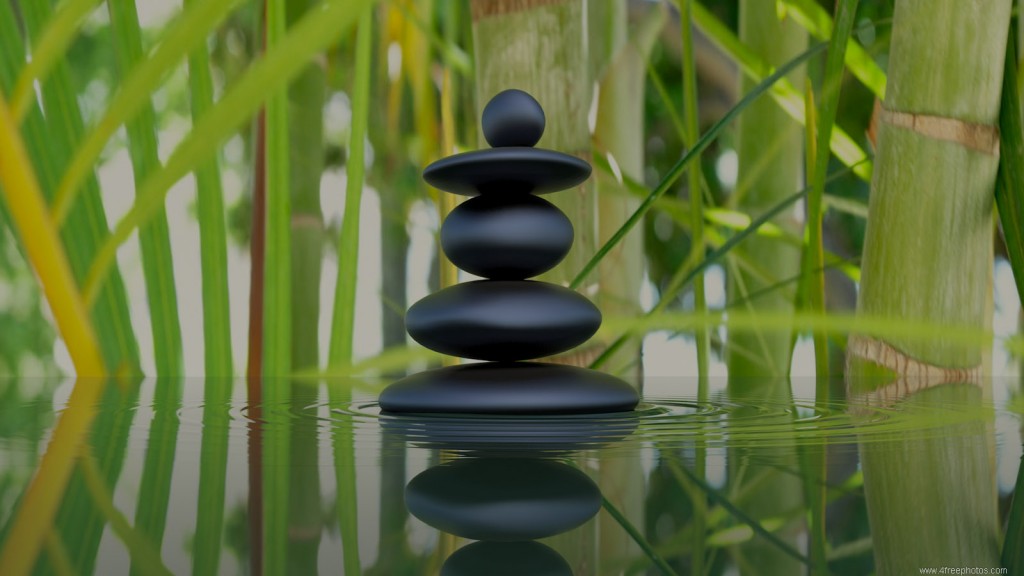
(619, 133)
(927, 258)
(769, 145)
(540, 46)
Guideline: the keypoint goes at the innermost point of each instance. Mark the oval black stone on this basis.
(503, 499)
(506, 559)
(502, 320)
(512, 118)
(507, 170)
(510, 388)
(506, 238)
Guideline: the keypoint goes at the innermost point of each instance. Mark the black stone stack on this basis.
(507, 234)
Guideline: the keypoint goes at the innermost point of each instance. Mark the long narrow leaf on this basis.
(47, 51)
(817, 21)
(182, 37)
(50, 141)
(1010, 182)
(154, 238)
(277, 315)
(313, 33)
(787, 96)
(677, 170)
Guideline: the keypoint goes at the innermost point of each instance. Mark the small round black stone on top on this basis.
(512, 118)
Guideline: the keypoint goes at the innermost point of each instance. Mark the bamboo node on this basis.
(912, 375)
(979, 137)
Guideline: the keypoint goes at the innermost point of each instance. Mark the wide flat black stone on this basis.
(506, 559)
(507, 170)
(509, 388)
(503, 499)
(506, 237)
(502, 320)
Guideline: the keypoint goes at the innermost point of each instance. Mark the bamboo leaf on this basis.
(277, 312)
(637, 537)
(697, 249)
(141, 549)
(816, 20)
(189, 31)
(1013, 543)
(50, 142)
(788, 97)
(154, 238)
(47, 51)
(213, 243)
(44, 249)
(33, 519)
(682, 475)
(343, 321)
(1010, 182)
(699, 146)
(313, 33)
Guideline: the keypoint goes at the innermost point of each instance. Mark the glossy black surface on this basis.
(506, 238)
(509, 388)
(506, 559)
(502, 320)
(503, 499)
(507, 170)
(512, 118)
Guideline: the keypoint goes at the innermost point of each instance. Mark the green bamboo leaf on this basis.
(276, 311)
(317, 30)
(816, 20)
(682, 475)
(50, 140)
(343, 320)
(188, 32)
(684, 276)
(637, 537)
(697, 250)
(216, 336)
(788, 97)
(48, 50)
(140, 548)
(154, 238)
(158, 469)
(1013, 543)
(213, 242)
(1010, 182)
(699, 146)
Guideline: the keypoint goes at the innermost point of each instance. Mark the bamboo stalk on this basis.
(936, 171)
(619, 134)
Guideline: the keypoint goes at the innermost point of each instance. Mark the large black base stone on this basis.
(509, 388)
(506, 237)
(502, 320)
(507, 170)
(506, 559)
(503, 499)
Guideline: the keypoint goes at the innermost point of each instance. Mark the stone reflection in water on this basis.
(510, 484)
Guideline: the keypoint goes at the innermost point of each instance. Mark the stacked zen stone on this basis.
(506, 234)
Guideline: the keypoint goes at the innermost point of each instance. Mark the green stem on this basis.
(154, 237)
